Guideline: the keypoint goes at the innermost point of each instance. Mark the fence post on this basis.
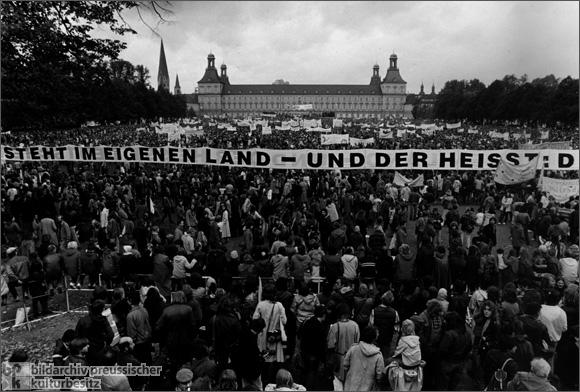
(66, 293)
(24, 308)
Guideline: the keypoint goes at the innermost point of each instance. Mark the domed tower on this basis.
(209, 88)
(376, 78)
(394, 89)
(224, 75)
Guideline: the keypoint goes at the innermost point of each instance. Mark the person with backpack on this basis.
(500, 358)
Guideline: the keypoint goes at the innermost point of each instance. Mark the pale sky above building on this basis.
(339, 42)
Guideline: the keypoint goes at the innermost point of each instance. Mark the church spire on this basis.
(163, 74)
(177, 88)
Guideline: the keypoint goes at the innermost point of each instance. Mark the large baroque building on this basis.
(378, 99)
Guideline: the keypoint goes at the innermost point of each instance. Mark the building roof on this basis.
(210, 76)
(301, 89)
(177, 81)
(393, 76)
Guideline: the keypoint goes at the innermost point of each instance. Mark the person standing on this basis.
(312, 345)
(342, 334)
(270, 341)
(139, 329)
(363, 363)
(455, 350)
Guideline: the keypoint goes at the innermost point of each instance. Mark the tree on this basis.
(48, 81)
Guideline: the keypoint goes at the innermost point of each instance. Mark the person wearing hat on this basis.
(184, 380)
(233, 264)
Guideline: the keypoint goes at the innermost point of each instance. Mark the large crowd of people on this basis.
(256, 279)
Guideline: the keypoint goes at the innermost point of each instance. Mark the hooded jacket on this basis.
(299, 265)
(303, 307)
(405, 267)
(72, 260)
(409, 349)
(264, 268)
(363, 367)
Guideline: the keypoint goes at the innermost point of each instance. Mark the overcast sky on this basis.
(339, 42)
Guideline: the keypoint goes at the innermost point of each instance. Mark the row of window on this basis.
(204, 89)
(338, 114)
(306, 100)
(266, 106)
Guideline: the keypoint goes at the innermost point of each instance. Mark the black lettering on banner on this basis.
(173, 154)
(61, 151)
(382, 159)
(108, 152)
(34, 153)
(8, 153)
(443, 159)
(227, 158)
(357, 159)
(465, 160)
(565, 160)
(158, 154)
(48, 153)
(244, 158)
(401, 159)
(480, 158)
(77, 155)
(144, 154)
(129, 154)
(119, 158)
(262, 159)
(89, 154)
(531, 155)
(493, 160)
(513, 158)
(208, 158)
(21, 151)
(419, 157)
(188, 155)
(333, 160)
(311, 162)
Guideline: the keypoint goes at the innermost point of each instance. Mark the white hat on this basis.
(11, 250)
(127, 248)
(234, 254)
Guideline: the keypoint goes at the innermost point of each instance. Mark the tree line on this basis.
(546, 100)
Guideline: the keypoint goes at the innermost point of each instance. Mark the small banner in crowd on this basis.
(383, 134)
(401, 180)
(334, 138)
(559, 188)
(364, 142)
(508, 173)
(453, 126)
(336, 123)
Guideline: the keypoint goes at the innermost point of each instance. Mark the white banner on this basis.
(383, 134)
(544, 135)
(472, 131)
(453, 126)
(560, 189)
(266, 130)
(365, 142)
(333, 138)
(401, 132)
(428, 126)
(302, 107)
(300, 159)
(428, 132)
(337, 123)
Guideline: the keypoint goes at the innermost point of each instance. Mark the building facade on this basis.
(378, 99)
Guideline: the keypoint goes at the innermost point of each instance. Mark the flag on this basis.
(151, 206)
(508, 173)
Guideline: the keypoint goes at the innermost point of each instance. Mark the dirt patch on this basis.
(39, 342)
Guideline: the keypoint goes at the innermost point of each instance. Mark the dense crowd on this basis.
(251, 279)
(243, 137)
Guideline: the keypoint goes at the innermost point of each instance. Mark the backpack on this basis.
(498, 379)
(488, 269)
